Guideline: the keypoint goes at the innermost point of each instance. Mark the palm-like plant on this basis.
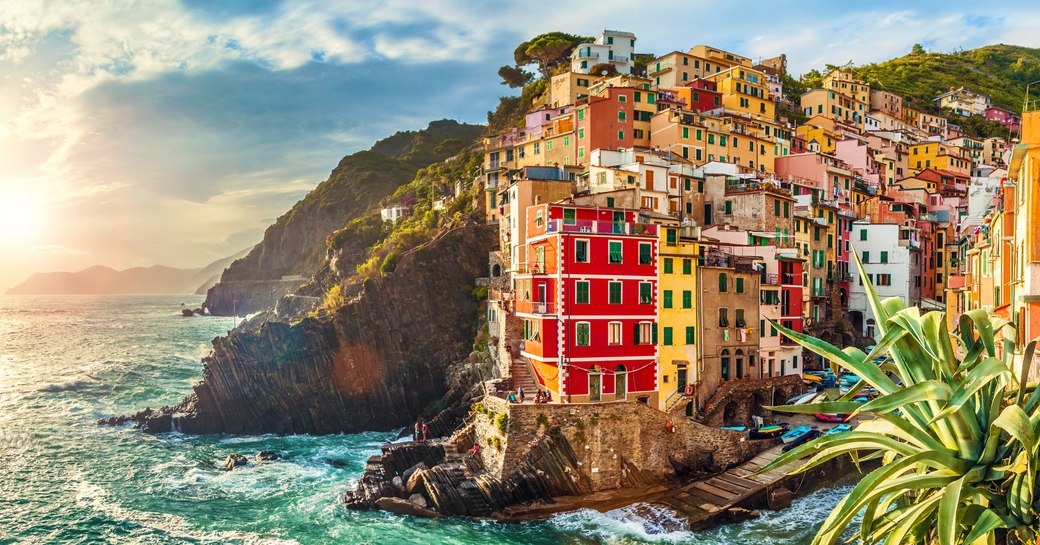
(956, 431)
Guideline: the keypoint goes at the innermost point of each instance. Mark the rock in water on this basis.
(267, 456)
(417, 499)
(235, 460)
(400, 506)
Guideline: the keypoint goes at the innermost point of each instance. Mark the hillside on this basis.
(98, 280)
(1001, 71)
(208, 276)
(295, 243)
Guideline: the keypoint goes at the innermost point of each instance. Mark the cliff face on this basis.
(375, 364)
(295, 243)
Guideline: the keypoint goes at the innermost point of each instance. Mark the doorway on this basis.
(595, 384)
(708, 215)
(620, 383)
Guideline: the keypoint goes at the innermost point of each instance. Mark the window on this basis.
(668, 265)
(621, 116)
(581, 292)
(639, 96)
(776, 207)
(614, 333)
(667, 336)
(581, 251)
(646, 295)
(616, 255)
(667, 299)
(723, 317)
(884, 257)
(866, 257)
(645, 253)
(884, 279)
(622, 98)
(863, 234)
(614, 296)
(687, 266)
(740, 318)
(569, 217)
(690, 335)
(670, 236)
(687, 299)
(581, 334)
(700, 135)
(723, 283)
(685, 132)
(740, 285)
(729, 207)
(581, 114)
(725, 363)
(581, 133)
(787, 209)
(644, 333)
(621, 135)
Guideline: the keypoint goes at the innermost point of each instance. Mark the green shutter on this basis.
(690, 335)
(667, 336)
(863, 234)
(740, 285)
(776, 207)
(653, 334)
(667, 298)
(668, 265)
(687, 299)
(687, 266)
(884, 257)
(645, 295)
(723, 287)
(729, 207)
(635, 333)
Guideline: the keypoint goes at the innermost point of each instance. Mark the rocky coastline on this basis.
(390, 354)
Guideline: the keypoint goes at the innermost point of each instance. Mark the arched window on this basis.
(725, 364)
(723, 283)
(740, 364)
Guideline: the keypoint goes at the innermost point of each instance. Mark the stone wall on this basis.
(737, 400)
(617, 445)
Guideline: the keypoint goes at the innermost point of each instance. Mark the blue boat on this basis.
(768, 432)
(840, 428)
(794, 434)
(803, 438)
(735, 428)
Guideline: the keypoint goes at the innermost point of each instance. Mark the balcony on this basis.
(620, 59)
(535, 307)
(602, 228)
(587, 54)
(534, 268)
(770, 280)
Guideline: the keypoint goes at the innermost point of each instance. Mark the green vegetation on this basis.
(955, 430)
(502, 423)
(334, 298)
(1000, 71)
(547, 51)
(480, 408)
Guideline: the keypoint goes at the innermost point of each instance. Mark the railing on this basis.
(771, 279)
(618, 58)
(587, 54)
(602, 227)
(535, 307)
(534, 267)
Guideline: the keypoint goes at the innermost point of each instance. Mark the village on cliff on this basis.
(653, 228)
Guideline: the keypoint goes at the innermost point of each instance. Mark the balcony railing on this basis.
(587, 54)
(535, 307)
(771, 279)
(534, 267)
(602, 227)
(619, 58)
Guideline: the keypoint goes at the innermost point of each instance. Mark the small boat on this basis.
(735, 428)
(811, 379)
(832, 417)
(768, 432)
(803, 438)
(794, 434)
(815, 397)
(794, 400)
(840, 428)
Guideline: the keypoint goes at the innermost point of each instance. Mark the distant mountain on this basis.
(99, 280)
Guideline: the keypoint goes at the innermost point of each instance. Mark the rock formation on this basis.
(374, 364)
(293, 248)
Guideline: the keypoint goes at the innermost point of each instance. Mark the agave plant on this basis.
(957, 432)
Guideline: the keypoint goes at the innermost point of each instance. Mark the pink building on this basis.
(858, 155)
(1006, 118)
(826, 177)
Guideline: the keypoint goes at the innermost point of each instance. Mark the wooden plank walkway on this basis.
(704, 500)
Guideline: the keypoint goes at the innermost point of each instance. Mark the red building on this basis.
(1006, 118)
(587, 297)
(704, 95)
(790, 295)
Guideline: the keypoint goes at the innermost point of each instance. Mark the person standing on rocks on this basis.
(424, 430)
(415, 435)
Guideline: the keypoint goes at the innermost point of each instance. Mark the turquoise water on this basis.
(67, 361)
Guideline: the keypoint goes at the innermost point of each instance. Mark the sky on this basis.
(135, 133)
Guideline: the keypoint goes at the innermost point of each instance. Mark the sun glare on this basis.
(19, 218)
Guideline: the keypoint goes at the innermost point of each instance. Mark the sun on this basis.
(19, 218)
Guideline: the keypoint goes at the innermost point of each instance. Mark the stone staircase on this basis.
(520, 375)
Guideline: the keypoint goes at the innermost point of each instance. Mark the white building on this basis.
(891, 256)
(964, 102)
(612, 47)
(394, 213)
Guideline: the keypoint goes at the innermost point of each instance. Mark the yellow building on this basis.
(822, 130)
(832, 104)
(941, 156)
(678, 365)
(751, 144)
(718, 59)
(745, 90)
(565, 88)
(1024, 171)
(845, 83)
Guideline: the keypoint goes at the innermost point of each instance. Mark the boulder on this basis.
(414, 483)
(235, 460)
(187, 313)
(408, 472)
(417, 499)
(267, 456)
(400, 506)
(398, 483)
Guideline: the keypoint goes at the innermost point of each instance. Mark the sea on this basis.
(66, 361)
